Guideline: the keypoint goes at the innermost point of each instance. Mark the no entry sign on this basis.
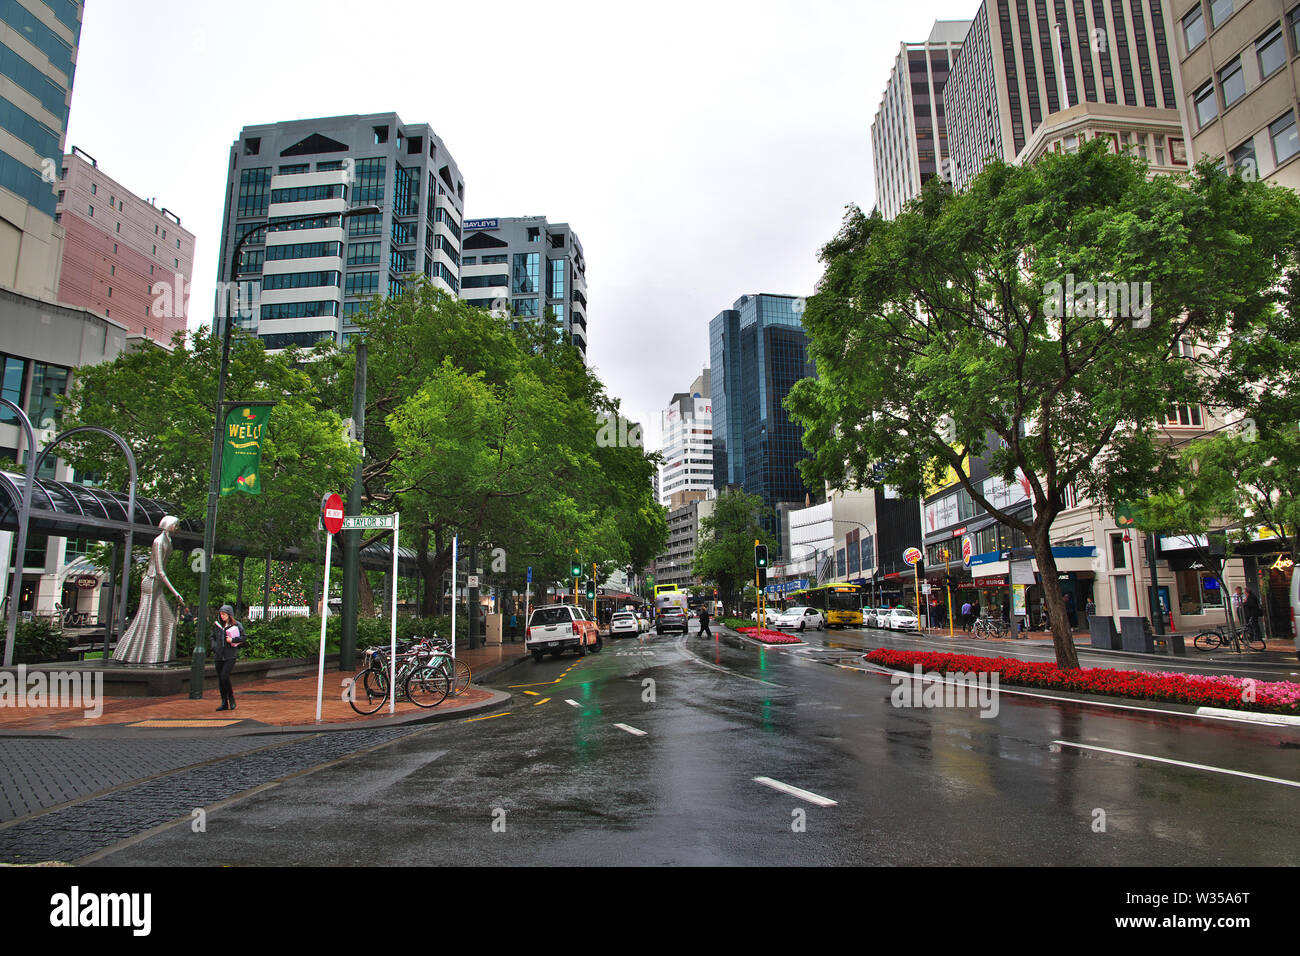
(331, 513)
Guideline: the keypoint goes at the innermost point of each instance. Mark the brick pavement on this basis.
(73, 832)
(282, 701)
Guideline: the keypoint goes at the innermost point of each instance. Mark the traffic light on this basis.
(760, 555)
(575, 568)
(762, 577)
(591, 590)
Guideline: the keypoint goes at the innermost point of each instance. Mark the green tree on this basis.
(724, 556)
(161, 401)
(969, 317)
(479, 428)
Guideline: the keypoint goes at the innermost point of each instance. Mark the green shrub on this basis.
(40, 640)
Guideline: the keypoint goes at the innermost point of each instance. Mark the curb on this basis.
(1121, 703)
(497, 698)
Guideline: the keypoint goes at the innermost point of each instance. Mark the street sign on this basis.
(331, 508)
(352, 522)
(530, 575)
(472, 581)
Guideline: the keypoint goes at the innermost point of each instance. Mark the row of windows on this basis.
(526, 273)
(294, 223)
(369, 185)
(299, 310)
(363, 253)
(21, 179)
(484, 282)
(302, 250)
(284, 340)
(309, 193)
(300, 280)
(30, 130)
(254, 191)
(39, 35)
(371, 224)
(52, 96)
(48, 382)
(362, 283)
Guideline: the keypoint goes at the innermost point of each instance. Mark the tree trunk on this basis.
(367, 594)
(1067, 658)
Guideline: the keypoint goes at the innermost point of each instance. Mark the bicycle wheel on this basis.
(462, 678)
(1208, 640)
(368, 691)
(1252, 642)
(428, 685)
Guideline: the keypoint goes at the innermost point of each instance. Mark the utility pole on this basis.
(352, 536)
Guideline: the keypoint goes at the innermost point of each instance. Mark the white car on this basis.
(868, 617)
(800, 618)
(623, 623)
(899, 618)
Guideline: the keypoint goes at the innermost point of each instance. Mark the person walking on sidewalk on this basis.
(965, 616)
(1254, 611)
(227, 638)
(704, 622)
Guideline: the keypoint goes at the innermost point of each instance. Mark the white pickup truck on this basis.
(561, 627)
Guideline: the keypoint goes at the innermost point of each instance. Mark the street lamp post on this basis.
(214, 474)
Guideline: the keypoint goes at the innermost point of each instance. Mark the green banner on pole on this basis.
(241, 459)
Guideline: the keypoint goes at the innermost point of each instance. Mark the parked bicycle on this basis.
(1215, 637)
(426, 674)
(991, 627)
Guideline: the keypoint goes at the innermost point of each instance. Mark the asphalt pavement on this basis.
(688, 751)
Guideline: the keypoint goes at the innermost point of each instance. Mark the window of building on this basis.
(115, 248)
(1118, 553)
(119, 227)
(1271, 51)
(1220, 10)
(61, 192)
(1177, 152)
(527, 273)
(1207, 104)
(1121, 594)
(526, 307)
(1185, 415)
(94, 188)
(110, 292)
(1233, 82)
(252, 145)
(92, 211)
(381, 135)
(112, 270)
(1293, 28)
(1197, 591)
(1243, 160)
(13, 372)
(1283, 134)
(1194, 28)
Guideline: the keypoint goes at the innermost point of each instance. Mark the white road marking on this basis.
(1249, 715)
(572, 703)
(1179, 763)
(630, 730)
(796, 792)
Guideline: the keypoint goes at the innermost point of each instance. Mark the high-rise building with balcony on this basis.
(1016, 91)
(124, 258)
(532, 269)
(311, 271)
(38, 56)
(686, 427)
(909, 139)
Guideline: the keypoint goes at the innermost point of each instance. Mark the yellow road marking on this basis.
(504, 713)
(542, 683)
(533, 692)
(542, 701)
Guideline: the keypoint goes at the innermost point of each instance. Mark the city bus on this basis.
(670, 595)
(840, 604)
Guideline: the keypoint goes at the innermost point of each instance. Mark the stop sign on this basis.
(331, 511)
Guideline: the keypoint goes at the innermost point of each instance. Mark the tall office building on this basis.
(686, 427)
(124, 258)
(503, 269)
(38, 56)
(909, 140)
(1240, 83)
(758, 350)
(1013, 92)
(310, 278)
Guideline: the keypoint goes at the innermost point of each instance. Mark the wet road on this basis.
(648, 754)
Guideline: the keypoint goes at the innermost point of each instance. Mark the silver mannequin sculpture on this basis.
(151, 638)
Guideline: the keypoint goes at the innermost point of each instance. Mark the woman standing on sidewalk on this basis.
(227, 638)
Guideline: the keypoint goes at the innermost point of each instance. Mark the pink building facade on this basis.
(124, 258)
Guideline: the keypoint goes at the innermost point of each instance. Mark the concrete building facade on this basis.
(38, 58)
(529, 268)
(909, 139)
(124, 258)
(308, 280)
(686, 429)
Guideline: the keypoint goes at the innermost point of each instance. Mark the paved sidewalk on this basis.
(281, 703)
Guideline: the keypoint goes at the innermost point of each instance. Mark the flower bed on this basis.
(768, 636)
(1279, 697)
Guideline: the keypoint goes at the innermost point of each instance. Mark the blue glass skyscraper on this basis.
(758, 350)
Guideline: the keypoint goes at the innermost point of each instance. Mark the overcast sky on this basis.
(701, 150)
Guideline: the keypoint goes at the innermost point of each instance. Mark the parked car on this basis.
(800, 618)
(623, 623)
(561, 627)
(671, 619)
(900, 619)
(868, 617)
